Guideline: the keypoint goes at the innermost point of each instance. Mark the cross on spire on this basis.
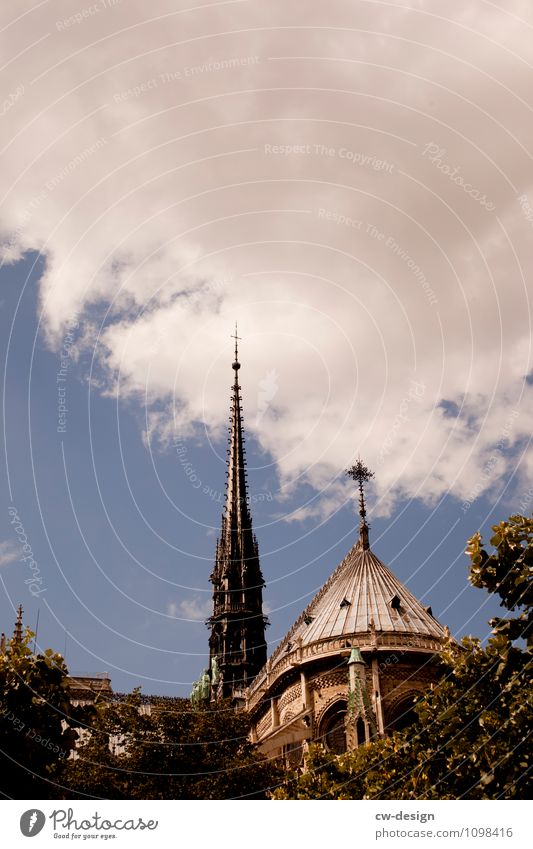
(236, 364)
(362, 474)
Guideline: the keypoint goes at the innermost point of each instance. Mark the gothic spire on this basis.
(237, 643)
(361, 474)
(17, 633)
(236, 521)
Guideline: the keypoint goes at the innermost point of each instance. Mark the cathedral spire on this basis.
(237, 643)
(361, 474)
(237, 516)
(17, 633)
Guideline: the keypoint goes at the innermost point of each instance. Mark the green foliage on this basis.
(508, 572)
(472, 737)
(174, 752)
(36, 721)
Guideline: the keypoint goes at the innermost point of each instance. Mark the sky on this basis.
(352, 183)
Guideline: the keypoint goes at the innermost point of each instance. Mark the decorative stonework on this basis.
(390, 689)
(335, 648)
(263, 726)
(330, 679)
(323, 709)
(295, 692)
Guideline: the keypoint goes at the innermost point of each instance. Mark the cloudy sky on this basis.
(352, 183)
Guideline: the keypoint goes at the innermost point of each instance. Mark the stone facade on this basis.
(307, 691)
(307, 700)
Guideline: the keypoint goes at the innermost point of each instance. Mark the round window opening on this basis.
(333, 728)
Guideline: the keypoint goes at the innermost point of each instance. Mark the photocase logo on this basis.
(32, 822)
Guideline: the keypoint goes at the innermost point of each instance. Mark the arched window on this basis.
(361, 732)
(403, 714)
(332, 731)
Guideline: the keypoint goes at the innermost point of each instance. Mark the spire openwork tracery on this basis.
(237, 643)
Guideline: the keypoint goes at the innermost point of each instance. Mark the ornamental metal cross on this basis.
(234, 336)
(362, 474)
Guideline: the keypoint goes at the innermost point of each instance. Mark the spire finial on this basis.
(360, 473)
(17, 634)
(236, 363)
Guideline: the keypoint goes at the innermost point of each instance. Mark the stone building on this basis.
(347, 671)
(353, 663)
(87, 689)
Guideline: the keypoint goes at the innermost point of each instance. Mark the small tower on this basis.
(17, 633)
(360, 720)
(237, 646)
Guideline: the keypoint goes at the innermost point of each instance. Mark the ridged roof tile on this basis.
(360, 591)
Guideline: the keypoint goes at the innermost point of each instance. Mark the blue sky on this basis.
(124, 540)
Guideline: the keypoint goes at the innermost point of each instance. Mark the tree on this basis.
(507, 572)
(472, 736)
(37, 721)
(176, 751)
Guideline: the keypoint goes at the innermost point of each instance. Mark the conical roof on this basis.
(361, 595)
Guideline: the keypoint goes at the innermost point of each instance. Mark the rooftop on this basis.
(360, 596)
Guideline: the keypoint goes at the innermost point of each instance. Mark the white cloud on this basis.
(195, 608)
(355, 264)
(9, 552)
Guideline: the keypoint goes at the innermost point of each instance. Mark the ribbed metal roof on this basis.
(361, 591)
